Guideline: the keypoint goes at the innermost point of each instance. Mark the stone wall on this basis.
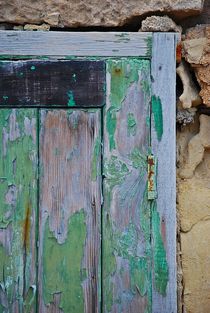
(193, 177)
(193, 130)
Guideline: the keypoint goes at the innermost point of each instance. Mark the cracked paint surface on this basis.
(62, 265)
(126, 267)
(18, 208)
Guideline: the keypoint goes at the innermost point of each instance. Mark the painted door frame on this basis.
(160, 48)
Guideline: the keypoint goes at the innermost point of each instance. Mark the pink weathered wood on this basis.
(67, 143)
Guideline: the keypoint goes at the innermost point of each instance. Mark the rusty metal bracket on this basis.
(152, 170)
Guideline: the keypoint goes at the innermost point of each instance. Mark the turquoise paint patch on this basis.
(5, 98)
(33, 68)
(158, 116)
(159, 254)
(71, 101)
(124, 73)
(131, 124)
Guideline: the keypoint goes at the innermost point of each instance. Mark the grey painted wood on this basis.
(163, 147)
(75, 43)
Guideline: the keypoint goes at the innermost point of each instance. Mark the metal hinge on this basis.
(152, 170)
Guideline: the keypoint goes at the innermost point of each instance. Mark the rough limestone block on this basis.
(71, 13)
(159, 24)
(196, 264)
(194, 202)
(196, 49)
(43, 27)
(196, 148)
(190, 96)
(184, 117)
(194, 216)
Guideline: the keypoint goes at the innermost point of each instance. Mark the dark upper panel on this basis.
(69, 83)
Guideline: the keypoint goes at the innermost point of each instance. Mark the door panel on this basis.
(18, 205)
(126, 213)
(70, 211)
(52, 165)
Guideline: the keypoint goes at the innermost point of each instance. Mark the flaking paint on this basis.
(18, 189)
(71, 101)
(123, 73)
(131, 124)
(95, 170)
(62, 265)
(159, 254)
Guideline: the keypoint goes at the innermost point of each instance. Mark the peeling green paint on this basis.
(140, 280)
(139, 160)
(123, 73)
(30, 299)
(18, 191)
(158, 116)
(109, 267)
(159, 253)
(125, 244)
(95, 170)
(115, 171)
(71, 101)
(131, 124)
(33, 68)
(5, 98)
(62, 265)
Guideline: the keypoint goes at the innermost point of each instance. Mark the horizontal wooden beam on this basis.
(54, 43)
(50, 83)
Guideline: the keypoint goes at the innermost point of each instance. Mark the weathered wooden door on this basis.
(80, 231)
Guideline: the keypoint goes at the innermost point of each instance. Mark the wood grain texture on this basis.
(70, 211)
(52, 83)
(163, 147)
(126, 254)
(18, 198)
(13, 43)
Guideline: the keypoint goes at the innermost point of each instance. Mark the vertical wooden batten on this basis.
(163, 142)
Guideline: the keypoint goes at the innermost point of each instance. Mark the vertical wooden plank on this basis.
(126, 211)
(18, 198)
(163, 146)
(70, 206)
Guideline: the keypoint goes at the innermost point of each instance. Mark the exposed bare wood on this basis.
(70, 205)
